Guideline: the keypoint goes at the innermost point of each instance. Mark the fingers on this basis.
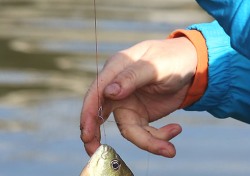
(137, 72)
(91, 146)
(135, 76)
(166, 132)
(135, 129)
(162, 63)
(89, 126)
(90, 122)
(123, 73)
(153, 140)
(91, 119)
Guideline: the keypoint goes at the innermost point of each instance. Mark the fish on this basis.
(106, 162)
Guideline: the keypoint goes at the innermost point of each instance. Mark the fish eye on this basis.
(115, 164)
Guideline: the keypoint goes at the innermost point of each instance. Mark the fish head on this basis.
(106, 162)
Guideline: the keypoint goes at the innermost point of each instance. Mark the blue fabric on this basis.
(234, 17)
(228, 91)
(228, 43)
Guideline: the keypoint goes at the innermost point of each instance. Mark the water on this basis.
(47, 61)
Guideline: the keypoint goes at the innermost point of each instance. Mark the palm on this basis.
(152, 105)
(158, 105)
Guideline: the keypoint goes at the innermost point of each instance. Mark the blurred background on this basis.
(47, 61)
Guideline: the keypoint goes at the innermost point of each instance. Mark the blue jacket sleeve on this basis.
(228, 91)
(234, 17)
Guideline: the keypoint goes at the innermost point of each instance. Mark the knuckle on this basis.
(82, 137)
(129, 76)
(124, 131)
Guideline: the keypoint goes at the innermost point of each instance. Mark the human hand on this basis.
(140, 85)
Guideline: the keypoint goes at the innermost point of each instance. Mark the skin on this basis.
(140, 85)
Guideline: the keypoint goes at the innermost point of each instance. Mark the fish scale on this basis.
(106, 162)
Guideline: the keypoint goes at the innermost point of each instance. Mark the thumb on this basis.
(131, 78)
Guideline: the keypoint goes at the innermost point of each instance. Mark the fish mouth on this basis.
(105, 155)
(104, 150)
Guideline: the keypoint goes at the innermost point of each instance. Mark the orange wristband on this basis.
(200, 81)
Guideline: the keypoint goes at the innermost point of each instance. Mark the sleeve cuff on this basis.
(200, 81)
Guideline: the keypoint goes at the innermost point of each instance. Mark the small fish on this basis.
(106, 162)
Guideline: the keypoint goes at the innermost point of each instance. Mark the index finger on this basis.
(89, 120)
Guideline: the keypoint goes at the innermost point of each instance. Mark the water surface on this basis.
(47, 61)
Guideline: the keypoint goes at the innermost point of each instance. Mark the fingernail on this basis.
(165, 153)
(113, 89)
(174, 132)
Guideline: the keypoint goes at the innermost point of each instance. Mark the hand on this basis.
(140, 85)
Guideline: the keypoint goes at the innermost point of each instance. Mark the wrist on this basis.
(200, 78)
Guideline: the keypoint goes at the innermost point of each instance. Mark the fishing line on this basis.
(148, 159)
(99, 110)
